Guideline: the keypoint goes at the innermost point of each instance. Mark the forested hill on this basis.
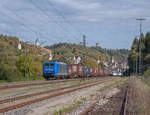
(97, 53)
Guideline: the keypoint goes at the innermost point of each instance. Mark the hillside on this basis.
(88, 54)
(19, 64)
(26, 63)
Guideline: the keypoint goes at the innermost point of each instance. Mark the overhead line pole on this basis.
(137, 57)
(140, 49)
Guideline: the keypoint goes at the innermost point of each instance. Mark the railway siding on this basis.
(5, 86)
(27, 90)
(54, 99)
(90, 98)
(99, 99)
(18, 105)
(41, 93)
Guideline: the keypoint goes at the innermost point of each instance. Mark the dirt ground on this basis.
(113, 106)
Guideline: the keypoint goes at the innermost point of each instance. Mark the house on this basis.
(98, 61)
(47, 51)
(37, 43)
(112, 59)
(19, 46)
(78, 59)
(75, 59)
(105, 63)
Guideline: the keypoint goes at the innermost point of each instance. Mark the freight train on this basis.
(62, 70)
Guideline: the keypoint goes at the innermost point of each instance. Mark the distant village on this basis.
(113, 65)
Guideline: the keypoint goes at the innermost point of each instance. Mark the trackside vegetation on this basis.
(134, 55)
(26, 63)
(19, 65)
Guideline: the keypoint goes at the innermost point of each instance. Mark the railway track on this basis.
(119, 110)
(124, 103)
(36, 94)
(54, 94)
(27, 84)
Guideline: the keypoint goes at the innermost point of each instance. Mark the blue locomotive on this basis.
(54, 70)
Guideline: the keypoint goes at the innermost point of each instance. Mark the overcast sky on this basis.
(111, 23)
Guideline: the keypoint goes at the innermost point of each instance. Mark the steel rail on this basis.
(125, 103)
(2, 110)
(123, 108)
(4, 87)
(39, 93)
(86, 111)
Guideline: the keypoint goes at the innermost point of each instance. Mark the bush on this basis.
(8, 73)
(14, 62)
(147, 73)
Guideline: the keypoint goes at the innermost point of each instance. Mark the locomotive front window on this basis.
(49, 65)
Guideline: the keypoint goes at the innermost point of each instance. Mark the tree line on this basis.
(140, 45)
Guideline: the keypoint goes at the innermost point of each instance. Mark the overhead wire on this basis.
(41, 10)
(18, 22)
(65, 19)
(24, 25)
(51, 18)
(27, 27)
(8, 33)
(15, 21)
(63, 16)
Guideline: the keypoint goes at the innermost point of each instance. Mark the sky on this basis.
(111, 23)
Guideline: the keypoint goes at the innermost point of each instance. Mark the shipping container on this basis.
(94, 72)
(75, 70)
(101, 72)
(107, 73)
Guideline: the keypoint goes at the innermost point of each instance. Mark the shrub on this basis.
(147, 73)
(8, 73)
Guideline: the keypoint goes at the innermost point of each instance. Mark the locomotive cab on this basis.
(54, 70)
(48, 70)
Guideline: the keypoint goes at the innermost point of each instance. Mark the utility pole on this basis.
(26, 58)
(97, 44)
(138, 37)
(136, 66)
(140, 50)
(25, 72)
(84, 40)
(84, 47)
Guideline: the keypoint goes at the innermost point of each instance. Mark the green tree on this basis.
(133, 55)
